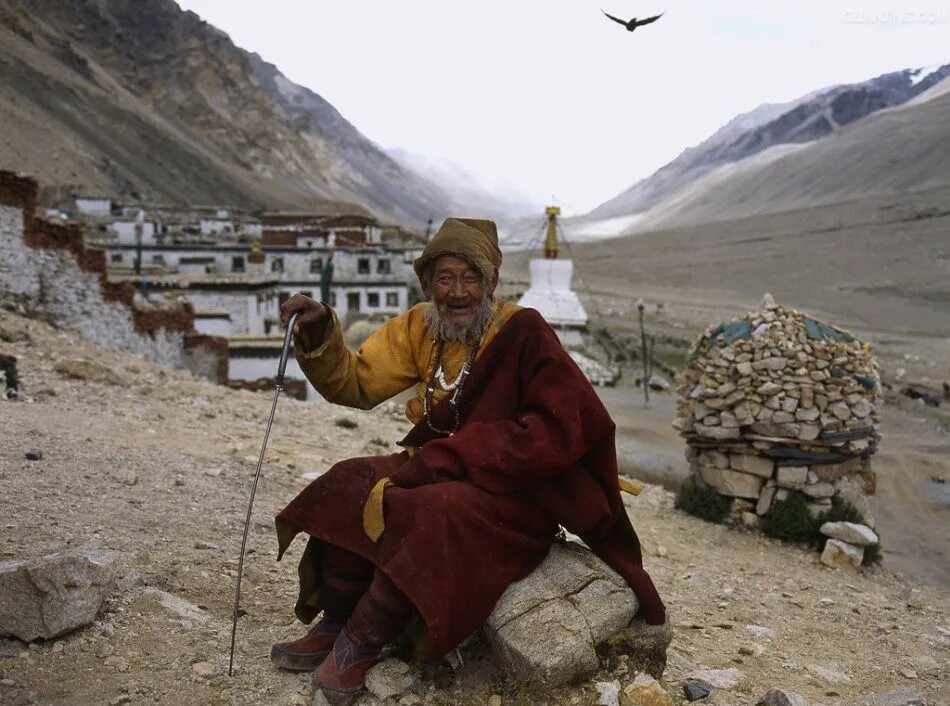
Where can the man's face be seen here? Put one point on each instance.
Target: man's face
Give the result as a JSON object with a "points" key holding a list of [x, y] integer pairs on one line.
{"points": [[457, 289]]}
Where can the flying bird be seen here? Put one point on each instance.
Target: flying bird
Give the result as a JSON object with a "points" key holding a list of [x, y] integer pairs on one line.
{"points": [[633, 23]]}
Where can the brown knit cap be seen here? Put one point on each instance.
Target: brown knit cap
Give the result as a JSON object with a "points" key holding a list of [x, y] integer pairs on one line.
{"points": [[472, 239]]}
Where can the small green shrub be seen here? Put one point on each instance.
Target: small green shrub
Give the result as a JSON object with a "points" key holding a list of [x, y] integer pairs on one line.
{"points": [[345, 423], [842, 511], [872, 556], [702, 501], [791, 520]]}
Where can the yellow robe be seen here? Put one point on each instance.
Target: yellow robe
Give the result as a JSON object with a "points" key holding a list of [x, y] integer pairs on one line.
{"points": [[394, 358]]}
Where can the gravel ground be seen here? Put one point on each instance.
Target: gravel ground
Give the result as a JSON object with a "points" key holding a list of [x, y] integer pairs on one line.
{"points": [[157, 466]]}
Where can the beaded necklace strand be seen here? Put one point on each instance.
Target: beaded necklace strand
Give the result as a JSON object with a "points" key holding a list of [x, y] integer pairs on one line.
{"points": [[455, 387]]}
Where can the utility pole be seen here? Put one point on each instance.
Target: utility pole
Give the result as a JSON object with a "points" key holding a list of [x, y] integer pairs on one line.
{"points": [[646, 363], [139, 227]]}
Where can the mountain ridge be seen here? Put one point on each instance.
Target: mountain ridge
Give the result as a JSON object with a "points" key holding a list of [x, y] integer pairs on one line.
{"points": [[146, 102], [805, 119]]}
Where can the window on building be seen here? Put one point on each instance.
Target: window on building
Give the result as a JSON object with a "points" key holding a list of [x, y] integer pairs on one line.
{"points": [[392, 299], [332, 301], [277, 264], [307, 293], [116, 257], [316, 265], [237, 264], [282, 297], [362, 265], [372, 299], [383, 267], [158, 259]]}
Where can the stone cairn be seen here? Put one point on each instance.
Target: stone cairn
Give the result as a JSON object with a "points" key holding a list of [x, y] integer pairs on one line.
{"points": [[775, 403]]}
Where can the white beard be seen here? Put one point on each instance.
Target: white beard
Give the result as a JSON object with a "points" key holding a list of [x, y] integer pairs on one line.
{"points": [[471, 332]]}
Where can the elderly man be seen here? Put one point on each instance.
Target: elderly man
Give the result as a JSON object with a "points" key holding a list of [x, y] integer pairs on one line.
{"points": [[510, 441]]}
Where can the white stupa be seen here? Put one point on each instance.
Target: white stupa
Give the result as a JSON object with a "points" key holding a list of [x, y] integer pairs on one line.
{"points": [[550, 292]]}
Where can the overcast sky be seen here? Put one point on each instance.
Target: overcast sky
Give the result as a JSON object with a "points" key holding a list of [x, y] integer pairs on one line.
{"points": [[551, 98]]}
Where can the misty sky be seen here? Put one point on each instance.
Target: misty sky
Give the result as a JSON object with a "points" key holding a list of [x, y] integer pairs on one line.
{"points": [[548, 97]]}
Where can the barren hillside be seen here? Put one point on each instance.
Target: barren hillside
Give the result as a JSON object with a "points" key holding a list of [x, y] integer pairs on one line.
{"points": [[144, 102], [892, 152]]}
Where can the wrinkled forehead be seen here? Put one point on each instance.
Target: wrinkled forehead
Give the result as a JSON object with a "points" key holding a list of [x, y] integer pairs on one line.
{"points": [[455, 265]]}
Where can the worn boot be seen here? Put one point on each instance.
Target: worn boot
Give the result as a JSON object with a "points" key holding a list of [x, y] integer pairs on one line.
{"points": [[342, 673], [305, 654], [346, 577], [379, 618]]}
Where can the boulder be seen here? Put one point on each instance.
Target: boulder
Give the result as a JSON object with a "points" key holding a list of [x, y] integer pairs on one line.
{"points": [[696, 689], [608, 693], [391, 677], [780, 697], [644, 691], [850, 532], [47, 597], [546, 627], [841, 554]]}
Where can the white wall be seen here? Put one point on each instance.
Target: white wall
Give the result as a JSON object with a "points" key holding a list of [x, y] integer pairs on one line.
{"points": [[261, 367], [94, 207], [210, 226], [125, 232], [213, 326], [50, 281]]}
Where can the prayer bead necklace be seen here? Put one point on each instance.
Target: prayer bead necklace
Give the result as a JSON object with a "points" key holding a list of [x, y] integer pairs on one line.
{"points": [[455, 388], [440, 376]]}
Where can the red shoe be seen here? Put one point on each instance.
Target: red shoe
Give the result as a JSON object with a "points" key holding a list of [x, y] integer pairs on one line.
{"points": [[344, 669], [305, 654]]}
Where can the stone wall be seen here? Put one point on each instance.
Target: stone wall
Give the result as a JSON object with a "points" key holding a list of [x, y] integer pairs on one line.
{"points": [[776, 403], [47, 269]]}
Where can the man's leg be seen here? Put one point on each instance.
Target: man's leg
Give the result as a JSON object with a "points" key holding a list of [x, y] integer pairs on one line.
{"points": [[379, 618], [345, 577]]}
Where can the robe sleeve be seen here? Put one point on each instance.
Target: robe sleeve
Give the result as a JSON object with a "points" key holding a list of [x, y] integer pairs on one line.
{"points": [[382, 367], [559, 420]]}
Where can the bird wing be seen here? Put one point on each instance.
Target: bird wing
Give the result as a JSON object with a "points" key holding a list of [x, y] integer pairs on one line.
{"points": [[648, 20], [616, 19]]}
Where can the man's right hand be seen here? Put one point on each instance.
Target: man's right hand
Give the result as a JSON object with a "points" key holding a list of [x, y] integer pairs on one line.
{"points": [[312, 317]]}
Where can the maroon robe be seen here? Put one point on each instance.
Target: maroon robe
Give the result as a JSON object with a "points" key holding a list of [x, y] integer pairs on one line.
{"points": [[470, 513]]}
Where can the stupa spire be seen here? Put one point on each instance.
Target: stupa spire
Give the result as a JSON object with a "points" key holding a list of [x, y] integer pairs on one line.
{"points": [[552, 249]]}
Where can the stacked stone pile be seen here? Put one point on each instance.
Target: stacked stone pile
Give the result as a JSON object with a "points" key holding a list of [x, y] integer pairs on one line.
{"points": [[775, 403]]}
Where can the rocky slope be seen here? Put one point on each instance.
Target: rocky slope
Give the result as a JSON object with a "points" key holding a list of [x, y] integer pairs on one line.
{"points": [[157, 466], [893, 152], [804, 120], [143, 101]]}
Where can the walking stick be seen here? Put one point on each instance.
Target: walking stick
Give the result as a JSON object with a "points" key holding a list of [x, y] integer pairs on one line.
{"points": [[284, 352]]}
